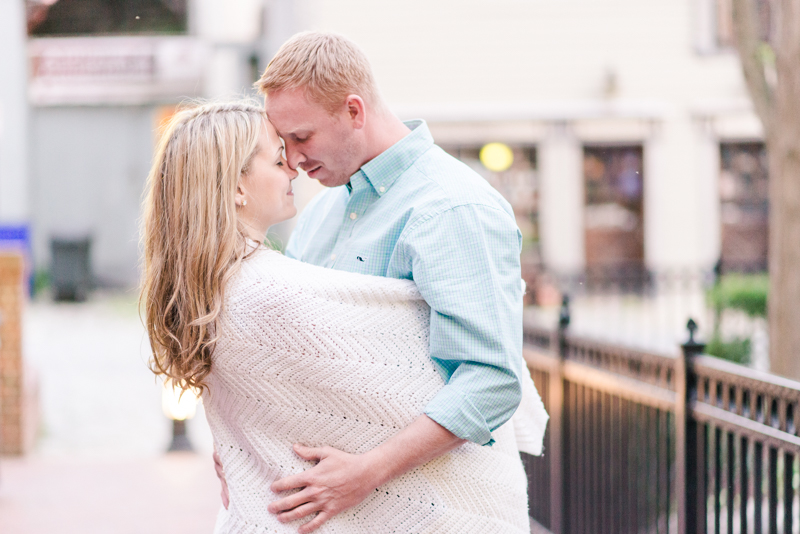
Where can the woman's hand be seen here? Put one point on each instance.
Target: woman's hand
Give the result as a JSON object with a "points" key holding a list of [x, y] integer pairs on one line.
{"points": [[339, 481]]}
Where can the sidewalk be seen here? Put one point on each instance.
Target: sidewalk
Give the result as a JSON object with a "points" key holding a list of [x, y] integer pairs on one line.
{"points": [[99, 465], [175, 493]]}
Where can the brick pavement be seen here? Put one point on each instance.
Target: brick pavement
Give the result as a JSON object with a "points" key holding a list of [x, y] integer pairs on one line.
{"points": [[175, 493]]}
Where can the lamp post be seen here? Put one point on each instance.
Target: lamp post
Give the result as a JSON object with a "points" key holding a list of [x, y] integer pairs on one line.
{"points": [[179, 406], [497, 157]]}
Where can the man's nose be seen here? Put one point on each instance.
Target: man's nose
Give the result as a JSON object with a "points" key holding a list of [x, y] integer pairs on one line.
{"points": [[293, 156]]}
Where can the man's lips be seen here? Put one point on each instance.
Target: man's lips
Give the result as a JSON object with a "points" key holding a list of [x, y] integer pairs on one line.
{"points": [[310, 172]]}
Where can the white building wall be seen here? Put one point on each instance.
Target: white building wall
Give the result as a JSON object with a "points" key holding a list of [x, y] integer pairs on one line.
{"points": [[90, 164], [571, 60], [557, 74], [13, 114], [476, 50]]}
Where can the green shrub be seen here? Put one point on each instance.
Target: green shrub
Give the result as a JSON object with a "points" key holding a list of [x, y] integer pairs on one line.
{"points": [[737, 350], [745, 292], [41, 281]]}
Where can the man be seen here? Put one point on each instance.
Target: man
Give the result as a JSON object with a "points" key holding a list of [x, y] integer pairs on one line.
{"points": [[398, 206]]}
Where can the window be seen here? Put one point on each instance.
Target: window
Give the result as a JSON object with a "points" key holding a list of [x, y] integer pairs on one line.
{"points": [[714, 30], [613, 212], [105, 17], [518, 185], [725, 35], [744, 193]]}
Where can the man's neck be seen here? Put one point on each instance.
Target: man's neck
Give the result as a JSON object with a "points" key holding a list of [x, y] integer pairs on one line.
{"points": [[384, 131]]}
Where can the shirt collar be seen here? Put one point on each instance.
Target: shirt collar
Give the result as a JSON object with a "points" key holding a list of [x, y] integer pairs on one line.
{"points": [[383, 170]]}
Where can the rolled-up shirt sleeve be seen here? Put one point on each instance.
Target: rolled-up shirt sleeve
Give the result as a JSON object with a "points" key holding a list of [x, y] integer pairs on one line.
{"points": [[465, 261]]}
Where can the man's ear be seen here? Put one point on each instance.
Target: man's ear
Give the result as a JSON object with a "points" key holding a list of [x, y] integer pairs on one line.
{"points": [[356, 111]]}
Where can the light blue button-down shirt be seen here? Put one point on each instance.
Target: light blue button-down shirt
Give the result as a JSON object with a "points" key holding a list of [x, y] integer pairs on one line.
{"points": [[417, 213]]}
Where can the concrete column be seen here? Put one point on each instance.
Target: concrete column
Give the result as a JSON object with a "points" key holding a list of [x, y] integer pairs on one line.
{"points": [[707, 168], [14, 208], [561, 201], [672, 206]]}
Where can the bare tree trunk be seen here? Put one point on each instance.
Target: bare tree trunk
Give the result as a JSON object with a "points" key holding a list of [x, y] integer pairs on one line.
{"points": [[784, 167], [779, 110]]}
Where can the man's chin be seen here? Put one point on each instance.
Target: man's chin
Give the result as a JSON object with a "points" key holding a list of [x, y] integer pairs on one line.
{"points": [[328, 180]]}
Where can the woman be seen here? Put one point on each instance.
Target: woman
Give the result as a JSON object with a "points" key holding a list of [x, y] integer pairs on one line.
{"points": [[287, 352]]}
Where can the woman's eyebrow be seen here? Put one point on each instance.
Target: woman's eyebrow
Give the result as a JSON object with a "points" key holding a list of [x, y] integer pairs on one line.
{"points": [[280, 149]]}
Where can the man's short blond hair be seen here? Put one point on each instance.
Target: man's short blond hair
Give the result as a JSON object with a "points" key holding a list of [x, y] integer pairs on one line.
{"points": [[329, 66]]}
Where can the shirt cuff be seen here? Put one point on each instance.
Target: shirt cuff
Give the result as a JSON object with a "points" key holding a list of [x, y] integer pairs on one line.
{"points": [[456, 413]]}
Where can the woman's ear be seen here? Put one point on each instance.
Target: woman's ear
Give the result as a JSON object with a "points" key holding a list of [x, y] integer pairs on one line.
{"points": [[240, 197]]}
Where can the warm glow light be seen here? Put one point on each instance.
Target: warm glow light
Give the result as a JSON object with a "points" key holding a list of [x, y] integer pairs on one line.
{"points": [[496, 157], [176, 406]]}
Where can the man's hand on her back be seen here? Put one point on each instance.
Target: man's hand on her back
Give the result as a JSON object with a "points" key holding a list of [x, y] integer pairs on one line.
{"points": [[340, 480], [221, 476]]}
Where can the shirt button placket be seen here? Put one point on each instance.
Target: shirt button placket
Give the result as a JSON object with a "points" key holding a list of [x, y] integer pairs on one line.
{"points": [[353, 216]]}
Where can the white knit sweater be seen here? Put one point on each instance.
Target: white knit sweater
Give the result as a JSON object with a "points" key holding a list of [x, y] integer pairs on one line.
{"points": [[324, 357]]}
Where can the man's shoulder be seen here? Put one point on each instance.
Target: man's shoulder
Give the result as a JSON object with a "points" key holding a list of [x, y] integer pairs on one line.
{"points": [[444, 183]]}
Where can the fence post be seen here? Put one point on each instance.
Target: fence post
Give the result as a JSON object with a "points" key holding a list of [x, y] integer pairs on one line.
{"points": [[686, 436], [557, 426]]}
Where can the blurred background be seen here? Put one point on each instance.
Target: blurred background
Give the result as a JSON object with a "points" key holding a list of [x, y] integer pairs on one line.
{"points": [[621, 132]]}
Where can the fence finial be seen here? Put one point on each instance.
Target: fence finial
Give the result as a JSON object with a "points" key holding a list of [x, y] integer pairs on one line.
{"points": [[691, 326], [692, 346]]}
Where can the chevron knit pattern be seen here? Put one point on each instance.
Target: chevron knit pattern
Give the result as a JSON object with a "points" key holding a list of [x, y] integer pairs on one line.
{"points": [[323, 357]]}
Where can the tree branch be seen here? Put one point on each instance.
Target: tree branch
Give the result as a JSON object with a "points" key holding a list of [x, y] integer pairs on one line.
{"points": [[748, 42]]}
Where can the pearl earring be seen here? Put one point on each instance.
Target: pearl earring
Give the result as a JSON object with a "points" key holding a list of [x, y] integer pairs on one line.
{"points": [[244, 203]]}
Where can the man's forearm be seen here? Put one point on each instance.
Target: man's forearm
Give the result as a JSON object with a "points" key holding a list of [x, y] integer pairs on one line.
{"points": [[418, 443]]}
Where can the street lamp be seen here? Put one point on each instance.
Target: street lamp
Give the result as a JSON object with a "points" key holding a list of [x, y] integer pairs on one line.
{"points": [[179, 406], [497, 157]]}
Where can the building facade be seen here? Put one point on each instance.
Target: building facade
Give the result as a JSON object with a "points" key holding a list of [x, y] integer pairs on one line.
{"points": [[634, 142]]}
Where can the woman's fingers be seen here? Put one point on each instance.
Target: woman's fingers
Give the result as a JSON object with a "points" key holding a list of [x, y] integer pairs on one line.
{"points": [[299, 512], [315, 523]]}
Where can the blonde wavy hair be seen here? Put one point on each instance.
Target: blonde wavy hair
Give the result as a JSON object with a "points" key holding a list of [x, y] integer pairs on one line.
{"points": [[191, 237]]}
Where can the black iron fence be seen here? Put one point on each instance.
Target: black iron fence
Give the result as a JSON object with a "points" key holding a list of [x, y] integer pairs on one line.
{"points": [[640, 442]]}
